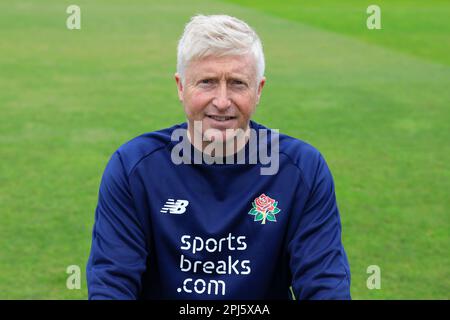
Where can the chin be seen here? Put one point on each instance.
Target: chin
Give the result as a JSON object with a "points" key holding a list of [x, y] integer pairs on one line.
{"points": [[216, 135]]}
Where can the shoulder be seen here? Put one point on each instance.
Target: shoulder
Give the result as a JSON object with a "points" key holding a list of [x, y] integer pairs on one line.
{"points": [[300, 154], [136, 149]]}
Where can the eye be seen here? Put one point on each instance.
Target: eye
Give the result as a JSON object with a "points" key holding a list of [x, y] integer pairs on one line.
{"points": [[206, 81], [238, 83]]}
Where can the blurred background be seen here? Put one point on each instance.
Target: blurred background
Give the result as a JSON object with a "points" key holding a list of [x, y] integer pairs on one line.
{"points": [[376, 103]]}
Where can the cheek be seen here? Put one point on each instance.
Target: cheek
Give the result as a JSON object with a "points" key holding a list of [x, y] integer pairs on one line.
{"points": [[196, 102], [247, 104]]}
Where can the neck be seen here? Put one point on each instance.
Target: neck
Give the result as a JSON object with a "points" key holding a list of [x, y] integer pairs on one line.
{"points": [[224, 148]]}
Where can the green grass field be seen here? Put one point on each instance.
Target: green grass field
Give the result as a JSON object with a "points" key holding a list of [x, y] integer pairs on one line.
{"points": [[375, 102]]}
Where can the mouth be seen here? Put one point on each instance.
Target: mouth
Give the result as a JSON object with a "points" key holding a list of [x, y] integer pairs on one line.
{"points": [[221, 118]]}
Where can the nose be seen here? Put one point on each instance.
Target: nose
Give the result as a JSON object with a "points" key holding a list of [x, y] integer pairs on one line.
{"points": [[222, 100]]}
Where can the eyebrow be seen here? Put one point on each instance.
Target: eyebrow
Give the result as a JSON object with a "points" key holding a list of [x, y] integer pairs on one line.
{"points": [[230, 76]]}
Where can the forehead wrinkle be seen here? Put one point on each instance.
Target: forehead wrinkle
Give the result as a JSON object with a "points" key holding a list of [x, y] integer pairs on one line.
{"points": [[235, 70], [211, 64]]}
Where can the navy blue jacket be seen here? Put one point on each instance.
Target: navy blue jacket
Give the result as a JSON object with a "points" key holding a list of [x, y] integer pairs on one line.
{"points": [[216, 231]]}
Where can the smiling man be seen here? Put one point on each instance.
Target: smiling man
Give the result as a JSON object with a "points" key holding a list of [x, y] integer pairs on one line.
{"points": [[222, 229], [221, 94]]}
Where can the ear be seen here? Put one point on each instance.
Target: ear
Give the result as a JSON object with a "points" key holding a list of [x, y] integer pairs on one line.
{"points": [[260, 87], [179, 86]]}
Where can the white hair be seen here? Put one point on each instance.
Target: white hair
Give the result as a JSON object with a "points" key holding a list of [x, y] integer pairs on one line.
{"points": [[218, 35]]}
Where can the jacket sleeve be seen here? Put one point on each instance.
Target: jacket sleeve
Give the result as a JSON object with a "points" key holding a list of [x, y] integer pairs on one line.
{"points": [[318, 262], [118, 252]]}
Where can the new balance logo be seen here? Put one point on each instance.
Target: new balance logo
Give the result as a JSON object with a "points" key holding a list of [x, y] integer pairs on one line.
{"points": [[173, 207]]}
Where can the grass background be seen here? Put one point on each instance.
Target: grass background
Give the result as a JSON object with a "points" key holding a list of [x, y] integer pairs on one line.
{"points": [[375, 102]]}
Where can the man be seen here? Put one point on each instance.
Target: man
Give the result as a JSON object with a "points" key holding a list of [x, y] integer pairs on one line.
{"points": [[188, 212]]}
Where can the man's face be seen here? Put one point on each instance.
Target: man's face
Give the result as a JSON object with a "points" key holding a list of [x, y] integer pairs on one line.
{"points": [[221, 92]]}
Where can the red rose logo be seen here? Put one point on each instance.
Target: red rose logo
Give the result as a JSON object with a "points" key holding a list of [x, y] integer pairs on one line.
{"points": [[264, 203], [264, 208]]}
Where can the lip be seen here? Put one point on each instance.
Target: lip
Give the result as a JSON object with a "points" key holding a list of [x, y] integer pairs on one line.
{"points": [[220, 115], [220, 124]]}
